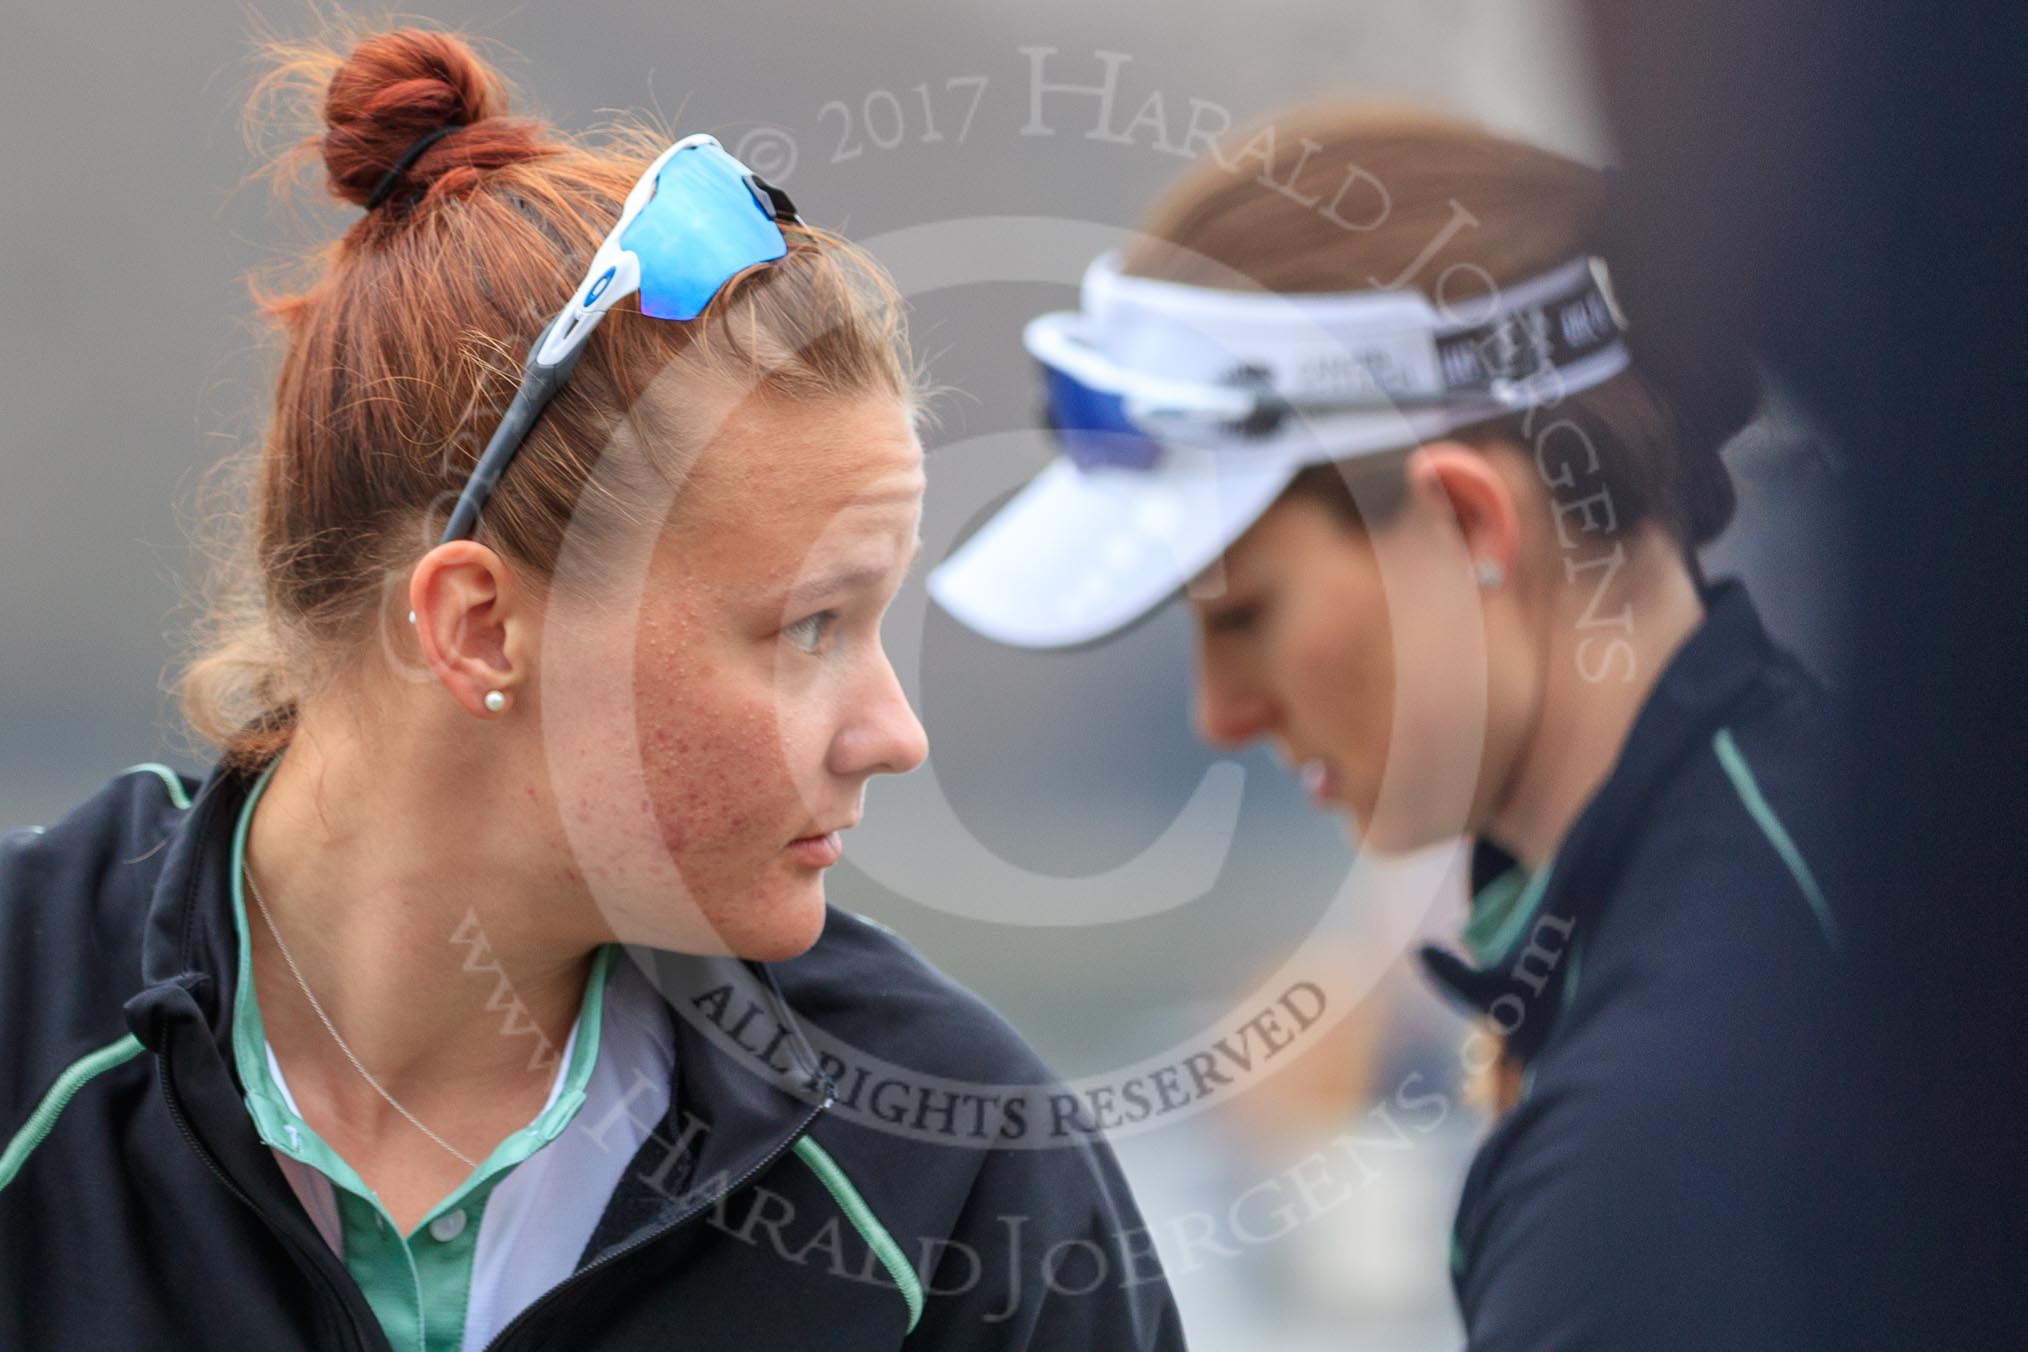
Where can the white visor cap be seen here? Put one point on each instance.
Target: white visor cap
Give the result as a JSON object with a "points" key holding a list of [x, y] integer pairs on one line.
{"points": [[1088, 547]]}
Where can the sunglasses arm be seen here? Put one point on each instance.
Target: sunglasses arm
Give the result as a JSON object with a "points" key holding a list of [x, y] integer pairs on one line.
{"points": [[540, 381]]}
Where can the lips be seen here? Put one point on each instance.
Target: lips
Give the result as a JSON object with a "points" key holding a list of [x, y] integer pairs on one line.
{"points": [[817, 851], [824, 831], [822, 849]]}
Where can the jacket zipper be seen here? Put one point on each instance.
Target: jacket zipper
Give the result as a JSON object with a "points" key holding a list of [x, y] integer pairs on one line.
{"points": [[556, 1292], [364, 1342]]}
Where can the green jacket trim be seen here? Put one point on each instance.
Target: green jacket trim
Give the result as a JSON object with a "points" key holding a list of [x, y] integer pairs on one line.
{"points": [[74, 1077], [177, 794], [866, 1223], [1763, 814], [81, 1071]]}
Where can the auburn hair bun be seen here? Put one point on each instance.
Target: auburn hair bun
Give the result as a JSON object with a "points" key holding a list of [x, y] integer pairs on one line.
{"points": [[397, 87]]}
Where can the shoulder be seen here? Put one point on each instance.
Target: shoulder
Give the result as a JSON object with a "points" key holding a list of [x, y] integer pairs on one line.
{"points": [[73, 897], [1653, 1185], [923, 1067], [1743, 850], [103, 852], [865, 986], [958, 1135], [95, 863], [148, 797], [1714, 975]]}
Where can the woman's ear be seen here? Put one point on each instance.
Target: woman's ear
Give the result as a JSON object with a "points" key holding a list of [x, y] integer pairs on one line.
{"points": [[1468, 486], [473, 623]]}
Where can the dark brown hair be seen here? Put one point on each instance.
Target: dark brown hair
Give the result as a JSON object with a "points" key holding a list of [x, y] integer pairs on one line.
{"points": [[1345, 198], [402, 342]]}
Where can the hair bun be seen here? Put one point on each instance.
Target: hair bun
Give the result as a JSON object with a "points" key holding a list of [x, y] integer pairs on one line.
{"points": [[396, 87]]}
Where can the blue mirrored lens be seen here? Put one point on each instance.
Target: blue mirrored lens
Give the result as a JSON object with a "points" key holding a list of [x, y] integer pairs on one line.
{"points": [[1092, 425], [701, 229]]}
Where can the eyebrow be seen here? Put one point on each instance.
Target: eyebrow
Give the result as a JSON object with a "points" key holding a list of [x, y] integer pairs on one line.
{"points": [[853, 576]]}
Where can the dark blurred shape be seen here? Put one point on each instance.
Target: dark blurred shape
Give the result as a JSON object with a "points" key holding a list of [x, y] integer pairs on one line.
{"points": [[1841, 187]]}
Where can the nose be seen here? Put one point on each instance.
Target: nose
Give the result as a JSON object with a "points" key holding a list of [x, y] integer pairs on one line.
{"points": [[1229, 710], [882, 736]]}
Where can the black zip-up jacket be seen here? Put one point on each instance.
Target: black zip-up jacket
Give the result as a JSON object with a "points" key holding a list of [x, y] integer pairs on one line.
{"points": [[1672, 982], [140, 1209]]}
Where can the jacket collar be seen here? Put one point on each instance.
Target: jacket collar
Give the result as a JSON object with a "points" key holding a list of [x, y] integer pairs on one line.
{"points": [[188, 942], [1525, 933]]}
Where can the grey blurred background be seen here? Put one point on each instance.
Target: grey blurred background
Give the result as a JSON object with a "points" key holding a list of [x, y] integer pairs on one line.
{"points": [[129, 364]]}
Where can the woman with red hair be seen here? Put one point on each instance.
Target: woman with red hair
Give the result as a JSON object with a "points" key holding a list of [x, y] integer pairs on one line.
{"points": [[484, 992]]}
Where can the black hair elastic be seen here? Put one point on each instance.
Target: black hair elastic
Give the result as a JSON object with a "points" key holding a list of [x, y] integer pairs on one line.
{"points": [[406, 162]]}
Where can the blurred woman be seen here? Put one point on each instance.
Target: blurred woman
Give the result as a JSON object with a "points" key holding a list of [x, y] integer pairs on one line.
{"points": [[488, 989], [1361, 387]]}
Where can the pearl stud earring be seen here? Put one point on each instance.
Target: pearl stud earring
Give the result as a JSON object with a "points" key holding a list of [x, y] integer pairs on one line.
{"points": [[496, 700], [1488, 573]]}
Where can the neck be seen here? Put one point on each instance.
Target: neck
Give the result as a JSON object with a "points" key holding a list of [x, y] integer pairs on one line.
{"points": [[1605, 647], [436, 942]]}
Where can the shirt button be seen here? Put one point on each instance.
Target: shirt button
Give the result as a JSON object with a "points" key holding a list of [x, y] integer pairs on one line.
{"points": [[448, 1226]]}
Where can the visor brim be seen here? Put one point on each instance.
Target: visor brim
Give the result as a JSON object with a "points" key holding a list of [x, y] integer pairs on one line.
{"points": [[1079, 554]]}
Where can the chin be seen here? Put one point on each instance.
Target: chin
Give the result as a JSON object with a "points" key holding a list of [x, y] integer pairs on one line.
{"points": [[779, 927]]}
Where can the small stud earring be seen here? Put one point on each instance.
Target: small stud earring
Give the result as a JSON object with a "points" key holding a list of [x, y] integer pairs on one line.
{"points": [[495, 700], [1488, 573], [411, 617]]}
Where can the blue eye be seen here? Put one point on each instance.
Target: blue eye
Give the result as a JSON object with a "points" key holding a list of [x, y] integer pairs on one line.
{"points": [[808, 632]]}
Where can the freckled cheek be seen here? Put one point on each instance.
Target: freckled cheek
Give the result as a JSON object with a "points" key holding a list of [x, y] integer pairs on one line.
{"points": [[714, 767]]}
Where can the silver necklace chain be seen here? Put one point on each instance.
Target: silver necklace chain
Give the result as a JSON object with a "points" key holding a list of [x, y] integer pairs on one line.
{"points": [[367, 1075]]}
